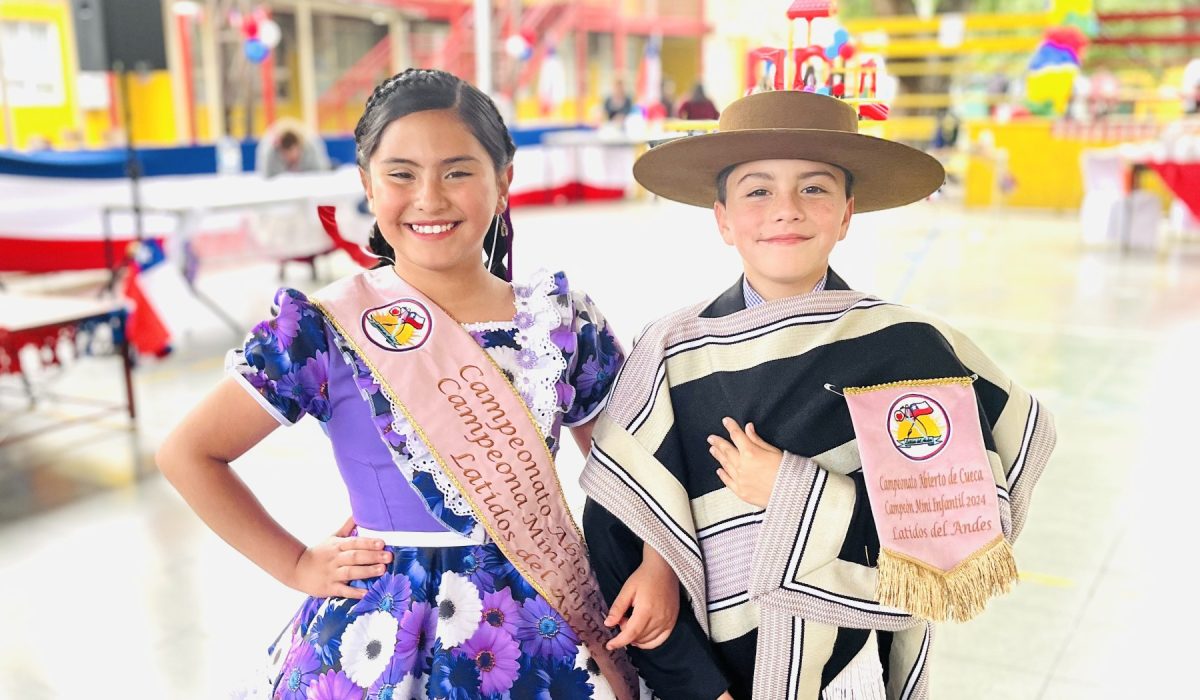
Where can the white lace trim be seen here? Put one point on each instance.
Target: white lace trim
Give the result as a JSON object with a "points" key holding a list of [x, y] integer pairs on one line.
{"points": [[535, 376]]}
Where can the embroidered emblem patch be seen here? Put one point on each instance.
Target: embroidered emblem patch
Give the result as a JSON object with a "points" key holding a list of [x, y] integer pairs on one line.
{"points": [[919, 426], [403, 325]]}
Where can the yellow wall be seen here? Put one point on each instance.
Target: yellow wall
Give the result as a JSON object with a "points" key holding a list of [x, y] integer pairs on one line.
{"points": [[1045, 170], [51, 122], [150, 95]]}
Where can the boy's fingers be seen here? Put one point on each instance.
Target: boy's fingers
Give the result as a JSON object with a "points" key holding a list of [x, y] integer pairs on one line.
{"points": [[723, 451], [720, 456], [729, 483], [655, 642], [736, 434], [755, 437], [620, 606], [758, 440], [629, 632]]}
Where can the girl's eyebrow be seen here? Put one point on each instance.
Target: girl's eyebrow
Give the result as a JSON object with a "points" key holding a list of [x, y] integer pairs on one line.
{"points": [[414, 164]]}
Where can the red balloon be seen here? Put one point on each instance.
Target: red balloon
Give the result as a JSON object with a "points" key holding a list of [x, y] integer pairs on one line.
{"points": [[250, 26], [846, 51]]}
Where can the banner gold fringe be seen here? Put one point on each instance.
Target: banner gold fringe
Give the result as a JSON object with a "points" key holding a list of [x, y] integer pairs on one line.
{"points": [[959, 594]]}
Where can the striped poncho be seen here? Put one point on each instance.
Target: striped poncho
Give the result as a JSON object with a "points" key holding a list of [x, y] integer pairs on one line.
{"points": [[782, 599]]}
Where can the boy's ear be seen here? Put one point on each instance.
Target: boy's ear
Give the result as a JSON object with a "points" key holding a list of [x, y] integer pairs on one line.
{"points": [[846, 219], [720, 213]]}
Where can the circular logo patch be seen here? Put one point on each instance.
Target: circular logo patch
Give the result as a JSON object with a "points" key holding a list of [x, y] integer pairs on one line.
{"points": [[403, 325], [918, 426]]}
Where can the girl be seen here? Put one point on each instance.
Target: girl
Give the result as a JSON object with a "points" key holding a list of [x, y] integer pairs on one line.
{"points": [[443, 390]]}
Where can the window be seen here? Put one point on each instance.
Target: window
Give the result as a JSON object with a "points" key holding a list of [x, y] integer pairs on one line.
{"points": [[33, 66]]}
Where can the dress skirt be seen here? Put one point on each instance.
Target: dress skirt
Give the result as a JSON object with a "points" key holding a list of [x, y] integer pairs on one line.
{"points": [[442, 622]]}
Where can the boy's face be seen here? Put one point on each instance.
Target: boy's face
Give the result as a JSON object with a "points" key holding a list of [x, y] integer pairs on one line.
{"points": [[784, 217]]}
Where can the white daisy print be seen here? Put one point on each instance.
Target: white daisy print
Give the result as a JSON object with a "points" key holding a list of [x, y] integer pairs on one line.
{"points": [[367, 646], [412, 687], [459, 609]]}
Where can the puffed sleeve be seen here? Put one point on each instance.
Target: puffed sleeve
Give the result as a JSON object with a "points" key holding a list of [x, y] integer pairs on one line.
{"points": [[284, 363], [592, 367]]}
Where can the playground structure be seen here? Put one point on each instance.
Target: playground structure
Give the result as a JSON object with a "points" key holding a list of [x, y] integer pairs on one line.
{"points": [[835, 69], [1023, 92]]}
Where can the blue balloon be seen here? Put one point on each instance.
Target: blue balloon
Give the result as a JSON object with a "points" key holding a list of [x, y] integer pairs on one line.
{"points": [[1050, 55], [841, 36], [823, 90], [256, 51], [831, 52]]}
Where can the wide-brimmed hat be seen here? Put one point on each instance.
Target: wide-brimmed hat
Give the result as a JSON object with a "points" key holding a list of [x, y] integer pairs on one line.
{"points": [[788, 124]]}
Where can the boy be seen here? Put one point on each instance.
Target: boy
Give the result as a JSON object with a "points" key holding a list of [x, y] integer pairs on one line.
{"points": [[735, 445]]}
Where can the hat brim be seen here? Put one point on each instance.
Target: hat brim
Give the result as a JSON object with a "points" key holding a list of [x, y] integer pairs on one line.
{"points": [[886, 173]]}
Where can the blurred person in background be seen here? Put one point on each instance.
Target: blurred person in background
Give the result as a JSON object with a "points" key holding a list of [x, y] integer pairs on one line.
{"points": [[698, 106], [288, 147]]}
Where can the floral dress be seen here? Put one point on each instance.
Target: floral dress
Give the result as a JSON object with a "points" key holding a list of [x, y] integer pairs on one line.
{"points": [[455, 622]]}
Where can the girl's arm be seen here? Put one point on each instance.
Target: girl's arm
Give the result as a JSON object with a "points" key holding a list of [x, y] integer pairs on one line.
{"points": [[195, 458]]}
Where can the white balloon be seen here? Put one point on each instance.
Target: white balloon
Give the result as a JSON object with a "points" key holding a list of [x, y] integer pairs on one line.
{"points": [[269, 33], [515, 46]]}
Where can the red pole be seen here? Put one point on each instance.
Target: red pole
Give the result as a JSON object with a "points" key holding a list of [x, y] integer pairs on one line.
{"points": [[184, 24], [268, 87]]}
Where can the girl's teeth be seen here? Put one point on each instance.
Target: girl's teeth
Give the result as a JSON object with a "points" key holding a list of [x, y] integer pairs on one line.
{"points": [[429, 230]]}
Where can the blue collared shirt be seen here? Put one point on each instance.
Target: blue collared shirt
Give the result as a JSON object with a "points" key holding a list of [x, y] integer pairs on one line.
{"points": [[753, 298]]}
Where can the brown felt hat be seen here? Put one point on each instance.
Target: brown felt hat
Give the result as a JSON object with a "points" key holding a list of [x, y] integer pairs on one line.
{"points": [[787, 124]]}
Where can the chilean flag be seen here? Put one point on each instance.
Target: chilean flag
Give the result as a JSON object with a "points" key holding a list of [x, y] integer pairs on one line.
{"points": [[150, 285], [649, 80]]}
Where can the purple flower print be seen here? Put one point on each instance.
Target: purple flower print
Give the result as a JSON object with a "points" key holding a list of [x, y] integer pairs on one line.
{"points": [[591, 375], [564, 337], [543, 632], [384, 421], [313, 378], [501, 611], [334, 685], [386, 686], [415, 639], [524, 320], [566, 394], [495, 654], [299, 672], [527, 358], [286, 323], [560, 283], [389, 593]]}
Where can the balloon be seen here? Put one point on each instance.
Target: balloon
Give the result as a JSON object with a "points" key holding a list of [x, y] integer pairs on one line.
{"points": [[841, 36], [823, 90], [831, 52], [250, 26], [256, 51], [269, 33], [846, 51], [516, 46]]}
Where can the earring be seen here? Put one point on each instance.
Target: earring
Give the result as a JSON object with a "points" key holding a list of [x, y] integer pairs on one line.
{"points": [[503, 226]]}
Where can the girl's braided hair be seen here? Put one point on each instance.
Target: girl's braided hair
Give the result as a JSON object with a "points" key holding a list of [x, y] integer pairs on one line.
{"points": [[421, 89]]}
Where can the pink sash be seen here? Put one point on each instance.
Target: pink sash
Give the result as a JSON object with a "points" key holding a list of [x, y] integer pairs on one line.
{"points": [[482, 434], [943, 553]]}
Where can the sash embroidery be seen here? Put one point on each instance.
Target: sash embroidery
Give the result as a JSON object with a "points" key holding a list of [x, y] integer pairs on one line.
{"points": [[483, 435], [933, 495]]}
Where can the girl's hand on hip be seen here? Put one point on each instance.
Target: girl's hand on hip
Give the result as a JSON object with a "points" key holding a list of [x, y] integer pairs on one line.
{"points": [[324, 570]]}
